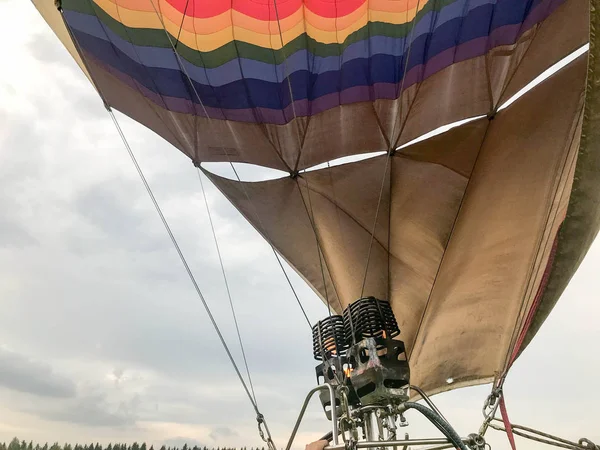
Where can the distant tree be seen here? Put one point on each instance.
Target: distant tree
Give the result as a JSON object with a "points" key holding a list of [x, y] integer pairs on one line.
{"points": [[45, 447], [143, 446], [97, 446], [163, 447], [14, 444]]}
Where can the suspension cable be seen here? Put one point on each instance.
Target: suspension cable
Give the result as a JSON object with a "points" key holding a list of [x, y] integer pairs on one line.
{"points": [[390, 155], [545, 438], [260, 222], [311, 215], [237, 328], [180, 253], [197, 95], [320, 252], [259, 416]]}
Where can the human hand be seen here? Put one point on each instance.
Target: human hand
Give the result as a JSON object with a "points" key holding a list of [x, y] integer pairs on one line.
{"points": [[317, 445]]}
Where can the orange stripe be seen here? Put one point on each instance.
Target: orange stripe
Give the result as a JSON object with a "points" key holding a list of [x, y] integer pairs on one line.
{"points": [[210, 34]]}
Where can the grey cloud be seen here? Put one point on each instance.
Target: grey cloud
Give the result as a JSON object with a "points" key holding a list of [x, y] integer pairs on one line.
{"points": [[222, 432], [91, 410], [46, 51], [22, 374], [105, 206], [14, 235]]}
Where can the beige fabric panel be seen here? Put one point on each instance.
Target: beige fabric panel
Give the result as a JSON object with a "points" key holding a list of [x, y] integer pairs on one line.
{"points": [[477, 299], [345, 241], [460, 156], [473, 87], [276, 210], [558, 204], [425, 201], [53, 18], [426, 188], [340, 132], [455, 93], [464, 265], [567, 29], [199, 138]]}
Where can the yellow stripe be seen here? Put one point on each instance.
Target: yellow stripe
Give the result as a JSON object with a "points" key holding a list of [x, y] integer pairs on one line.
{"points": [[217, 31]]}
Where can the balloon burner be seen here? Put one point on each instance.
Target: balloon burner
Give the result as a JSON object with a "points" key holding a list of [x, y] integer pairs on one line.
{"points": [[363, 381]]}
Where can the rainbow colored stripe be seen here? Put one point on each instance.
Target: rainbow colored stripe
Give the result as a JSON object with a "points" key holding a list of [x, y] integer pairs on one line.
{"points": [[245, 56]]}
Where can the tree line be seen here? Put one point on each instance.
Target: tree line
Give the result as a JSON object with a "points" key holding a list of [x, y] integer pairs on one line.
{"points": [[17, 444]]}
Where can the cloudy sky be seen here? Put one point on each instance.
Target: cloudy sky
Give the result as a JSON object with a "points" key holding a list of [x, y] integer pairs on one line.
{"points": [[102, 337]]}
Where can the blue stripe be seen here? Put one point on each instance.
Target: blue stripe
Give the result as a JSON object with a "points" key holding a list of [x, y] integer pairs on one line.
{"points": [[263, 85]]}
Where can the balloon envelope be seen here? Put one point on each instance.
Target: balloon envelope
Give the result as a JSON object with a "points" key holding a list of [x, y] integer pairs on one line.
{"points": [[461, 231]]}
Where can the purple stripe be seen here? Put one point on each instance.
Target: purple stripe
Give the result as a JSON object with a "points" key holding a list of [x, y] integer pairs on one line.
{"points": [[505, 35]]}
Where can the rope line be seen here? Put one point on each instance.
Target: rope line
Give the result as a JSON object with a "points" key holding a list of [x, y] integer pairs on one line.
{"points": [[320, 253], [390, 154], [260, 222], [181, 256], [237, 328], [210, 120], [259, 416], [545, 438]]}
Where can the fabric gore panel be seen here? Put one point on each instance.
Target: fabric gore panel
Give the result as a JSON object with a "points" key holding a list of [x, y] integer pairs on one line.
{"points": [[323, 96], [472, 212], [488, 273]]}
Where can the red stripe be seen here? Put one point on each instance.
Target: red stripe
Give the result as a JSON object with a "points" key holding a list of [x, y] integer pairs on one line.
{"points": [[265, 9], [536, 302]]}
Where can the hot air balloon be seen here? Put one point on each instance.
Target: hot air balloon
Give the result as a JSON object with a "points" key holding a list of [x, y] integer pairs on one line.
{"points": [[470, 235]]}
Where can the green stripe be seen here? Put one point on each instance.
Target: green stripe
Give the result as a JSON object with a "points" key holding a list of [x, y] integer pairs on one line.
{"points": [[238, 49]]}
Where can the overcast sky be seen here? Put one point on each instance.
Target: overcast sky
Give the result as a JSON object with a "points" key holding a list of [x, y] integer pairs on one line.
{"points": [[102, 337]]}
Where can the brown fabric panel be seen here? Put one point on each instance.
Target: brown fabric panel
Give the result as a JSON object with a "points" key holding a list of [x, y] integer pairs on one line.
{"points": [[476, 301], [275, 208], [392, 114], [217, 140], [425, 201], [458, 156], [346, 220], [340, 132], [563, 32], [345, 244], [455, 93], [558, 208], [288, 139], [355, 189], [582, 221], [503, 61], [472, 87]]}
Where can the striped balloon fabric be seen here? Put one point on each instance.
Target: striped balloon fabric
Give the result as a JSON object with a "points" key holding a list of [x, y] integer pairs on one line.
{"points": [[270, 61]]}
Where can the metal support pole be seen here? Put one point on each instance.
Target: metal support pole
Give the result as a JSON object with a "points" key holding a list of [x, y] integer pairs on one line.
{"points": [[436, 441], [334, 419]]}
